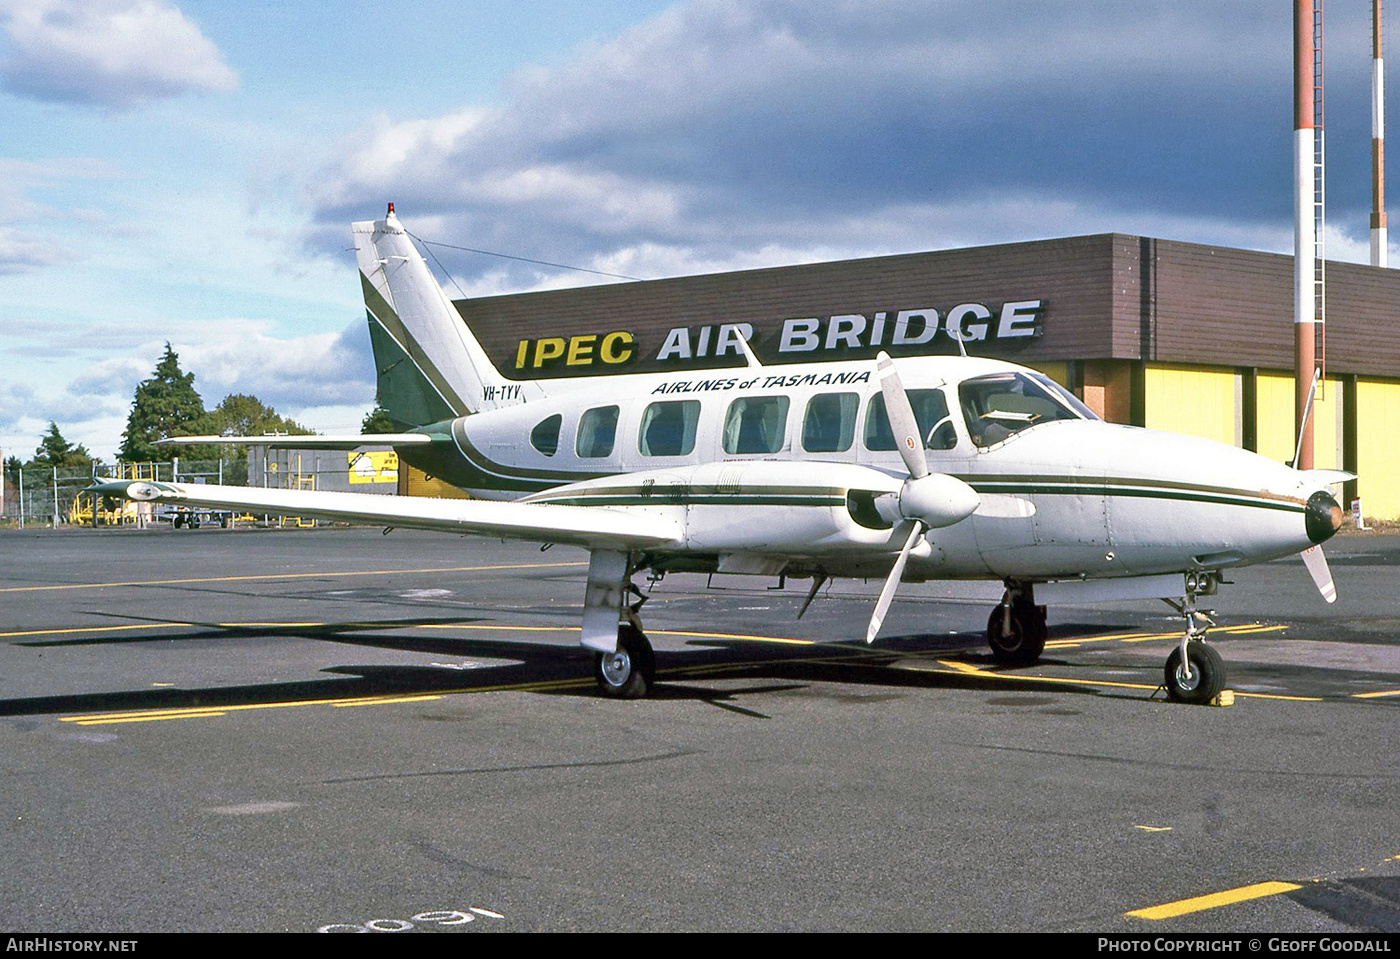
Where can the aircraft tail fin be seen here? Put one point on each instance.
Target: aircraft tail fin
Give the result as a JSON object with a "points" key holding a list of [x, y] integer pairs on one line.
{"points": [[429, 366]]}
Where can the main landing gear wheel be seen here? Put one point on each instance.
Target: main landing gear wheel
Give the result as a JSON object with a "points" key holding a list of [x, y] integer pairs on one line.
{"points": [[630, 672], [1018, 639], [1200, 679]]}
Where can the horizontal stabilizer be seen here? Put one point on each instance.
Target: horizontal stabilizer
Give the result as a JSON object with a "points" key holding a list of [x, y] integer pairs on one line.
{"points": [[307, 441], [589, 526]]}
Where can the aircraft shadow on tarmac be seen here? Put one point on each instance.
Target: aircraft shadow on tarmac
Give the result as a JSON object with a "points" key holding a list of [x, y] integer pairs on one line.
{"points": [[559, 669]]}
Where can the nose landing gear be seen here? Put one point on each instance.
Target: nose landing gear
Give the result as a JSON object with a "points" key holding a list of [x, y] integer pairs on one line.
{"points": [[1194, 672]]}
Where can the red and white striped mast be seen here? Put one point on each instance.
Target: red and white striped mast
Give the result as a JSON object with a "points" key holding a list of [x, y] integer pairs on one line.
{"points": [[1379, 240], [1308, 255]]}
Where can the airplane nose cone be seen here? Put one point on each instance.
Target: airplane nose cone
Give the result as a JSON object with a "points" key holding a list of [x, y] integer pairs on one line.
{"points": [[1323, 516]]}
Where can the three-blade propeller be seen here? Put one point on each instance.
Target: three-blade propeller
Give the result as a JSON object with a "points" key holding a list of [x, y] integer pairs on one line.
{"points": [[926, 500]]}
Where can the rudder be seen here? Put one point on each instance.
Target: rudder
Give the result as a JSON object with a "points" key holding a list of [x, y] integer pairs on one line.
{"points": [[428, 365]]}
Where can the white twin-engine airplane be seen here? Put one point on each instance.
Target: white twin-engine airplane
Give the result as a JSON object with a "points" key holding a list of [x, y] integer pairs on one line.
{"points": [[939, 467]]}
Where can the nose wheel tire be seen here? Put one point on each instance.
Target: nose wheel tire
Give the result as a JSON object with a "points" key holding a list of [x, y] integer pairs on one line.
{"points": [[630, 672], [1021, 641], [1200, 679]]}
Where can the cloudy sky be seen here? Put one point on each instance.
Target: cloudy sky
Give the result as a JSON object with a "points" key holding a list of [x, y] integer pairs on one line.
{"points": [[186, 170]]}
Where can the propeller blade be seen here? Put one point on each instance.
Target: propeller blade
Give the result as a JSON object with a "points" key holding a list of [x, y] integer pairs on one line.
{"points": [[902, 422], [882, 605], [1320, 573]]}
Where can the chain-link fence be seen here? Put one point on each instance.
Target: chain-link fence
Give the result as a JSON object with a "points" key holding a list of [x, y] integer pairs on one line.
{"points": [[53, 496]]}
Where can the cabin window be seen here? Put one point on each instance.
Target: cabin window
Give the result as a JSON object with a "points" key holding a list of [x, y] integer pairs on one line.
{"points": [[597, 429], [830, 423], [930, 413], [755, 424], [545, 436], [668, 428], [1002, 404]]}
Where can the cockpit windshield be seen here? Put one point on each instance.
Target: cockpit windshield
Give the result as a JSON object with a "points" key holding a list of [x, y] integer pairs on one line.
{"points": [[1002, 404]]}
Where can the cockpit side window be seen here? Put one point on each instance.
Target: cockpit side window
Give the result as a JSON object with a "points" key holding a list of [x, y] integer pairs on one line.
{"points": [[668, 428], [1003, 404], [930, 413], [755, 424], [545, 436]]}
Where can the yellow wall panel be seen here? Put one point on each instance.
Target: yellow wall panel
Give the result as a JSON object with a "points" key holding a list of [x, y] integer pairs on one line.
{"points": [[1274, 428], [1327, 427], [1193, 400], [1059, 372], [1278, 433], [1378, 452]]}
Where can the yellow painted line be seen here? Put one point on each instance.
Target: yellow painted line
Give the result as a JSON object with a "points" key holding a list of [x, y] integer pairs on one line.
{"points": [[845, 655], [1286, 699], [259, 625], [1065, 681], [89, 629], [146, 719], [1388, 692], [1152, 828], [578, 629], [1123, 637], [962, 667], [1141, 637], [1213, 901], [193, 712], [506, 629], [387, 701], [487, 627], [271, 576], [756, 639]]}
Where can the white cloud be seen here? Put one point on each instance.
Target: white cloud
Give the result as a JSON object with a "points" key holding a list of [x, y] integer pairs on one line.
{"points": [[111, 53], [242, 356], [328, 375], [24, 252], [722, 134]]}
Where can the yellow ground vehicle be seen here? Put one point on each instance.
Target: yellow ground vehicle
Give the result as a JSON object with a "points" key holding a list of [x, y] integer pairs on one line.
{"points": [[110, 510]]}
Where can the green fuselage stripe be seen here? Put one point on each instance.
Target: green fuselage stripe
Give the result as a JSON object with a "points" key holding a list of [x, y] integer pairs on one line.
{"points": [[681, 494], [1180, 493]]}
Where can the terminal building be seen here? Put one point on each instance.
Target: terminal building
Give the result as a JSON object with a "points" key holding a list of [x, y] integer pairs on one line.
{"points": [[1157, 333]]}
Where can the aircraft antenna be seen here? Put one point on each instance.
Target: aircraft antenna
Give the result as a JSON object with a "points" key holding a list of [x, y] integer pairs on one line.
{"points": [[525, 259]]}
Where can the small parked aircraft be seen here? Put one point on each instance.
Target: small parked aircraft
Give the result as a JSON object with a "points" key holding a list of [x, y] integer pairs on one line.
{"points": [[937, 467]]}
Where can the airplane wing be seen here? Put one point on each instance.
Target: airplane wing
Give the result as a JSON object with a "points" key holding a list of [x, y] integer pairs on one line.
{"points": [[593, 527], [305, 441]]}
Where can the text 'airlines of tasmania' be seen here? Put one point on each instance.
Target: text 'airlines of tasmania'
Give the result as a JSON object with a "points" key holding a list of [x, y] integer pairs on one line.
{"points": [[925, 468]]}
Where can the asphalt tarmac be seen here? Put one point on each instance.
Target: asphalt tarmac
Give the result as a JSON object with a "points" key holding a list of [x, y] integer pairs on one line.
{"points": [[249, 730]]}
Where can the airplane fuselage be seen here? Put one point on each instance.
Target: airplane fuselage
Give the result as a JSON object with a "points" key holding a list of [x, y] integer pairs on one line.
{"points": [[1064, 494]]}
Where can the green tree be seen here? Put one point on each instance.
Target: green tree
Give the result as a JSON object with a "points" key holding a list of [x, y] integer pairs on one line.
{"points": [[239, 414], [54, 450], [164, 405], [377, 421]]}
